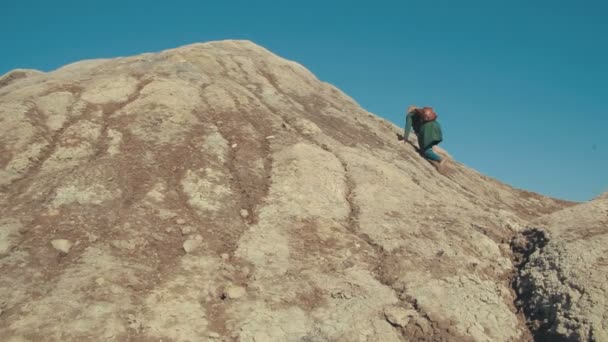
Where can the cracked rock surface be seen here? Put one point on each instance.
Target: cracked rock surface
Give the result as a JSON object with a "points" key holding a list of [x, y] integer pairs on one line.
{"points": [[565, 281], [180, 174]]}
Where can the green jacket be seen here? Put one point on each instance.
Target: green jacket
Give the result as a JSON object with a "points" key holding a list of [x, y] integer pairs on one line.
{"points": [[429, 133]]}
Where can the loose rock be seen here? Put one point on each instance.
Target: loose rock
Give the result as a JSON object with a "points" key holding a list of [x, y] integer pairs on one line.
{"points": [[348, 263], [341, 294], [191, 245], [62, 245], [234, 292], [398, 315]]}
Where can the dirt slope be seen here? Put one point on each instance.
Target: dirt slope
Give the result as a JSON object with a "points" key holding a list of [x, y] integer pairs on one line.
{"points": [[219, 192]]}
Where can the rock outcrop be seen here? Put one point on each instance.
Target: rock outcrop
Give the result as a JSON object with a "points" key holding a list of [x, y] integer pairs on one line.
{"points": [[564, 283], [217, 191]]}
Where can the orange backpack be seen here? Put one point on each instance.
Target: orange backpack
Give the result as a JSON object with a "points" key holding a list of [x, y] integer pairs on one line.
{"points": [[427, 114]]}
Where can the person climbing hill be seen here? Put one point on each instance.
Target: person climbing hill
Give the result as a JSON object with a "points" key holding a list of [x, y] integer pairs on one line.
{"points": [[425, 125]]}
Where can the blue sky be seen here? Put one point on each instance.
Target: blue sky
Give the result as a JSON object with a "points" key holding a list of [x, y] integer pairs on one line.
{"points": [[520, 86]]}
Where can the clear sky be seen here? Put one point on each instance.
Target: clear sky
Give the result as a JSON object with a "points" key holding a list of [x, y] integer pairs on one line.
{"points": [[520, 86]]}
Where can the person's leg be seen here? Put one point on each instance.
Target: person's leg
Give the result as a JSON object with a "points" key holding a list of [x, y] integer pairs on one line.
{"points": [[431, 155], [435, 159]]}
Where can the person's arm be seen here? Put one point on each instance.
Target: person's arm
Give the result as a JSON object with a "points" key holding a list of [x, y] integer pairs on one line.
{"points": [[408, 122]]}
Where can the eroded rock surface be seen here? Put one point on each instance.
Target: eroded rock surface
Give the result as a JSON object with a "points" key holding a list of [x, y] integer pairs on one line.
{"points": [[564, 284], [218, 191]]}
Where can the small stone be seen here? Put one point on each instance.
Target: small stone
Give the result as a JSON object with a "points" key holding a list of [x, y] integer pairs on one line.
{"points": [[62, 245], [397, 315], [225, 256], [341, 294], [180, 221], [348, 263], [270, 137], [169, 230], [100, 281], [213, 335], [234, 292], [244, 213], [234, 145], [191, 245], [187, 230]]}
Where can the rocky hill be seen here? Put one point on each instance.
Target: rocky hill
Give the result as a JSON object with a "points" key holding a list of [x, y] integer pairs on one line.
{"points": [[219, 192]]}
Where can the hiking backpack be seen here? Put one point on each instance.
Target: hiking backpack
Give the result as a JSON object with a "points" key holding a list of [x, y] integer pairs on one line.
{"points": [[427, 114]]}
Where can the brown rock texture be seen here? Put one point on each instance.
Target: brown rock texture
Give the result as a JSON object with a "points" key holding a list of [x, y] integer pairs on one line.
{"points": [[219, 192]]}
